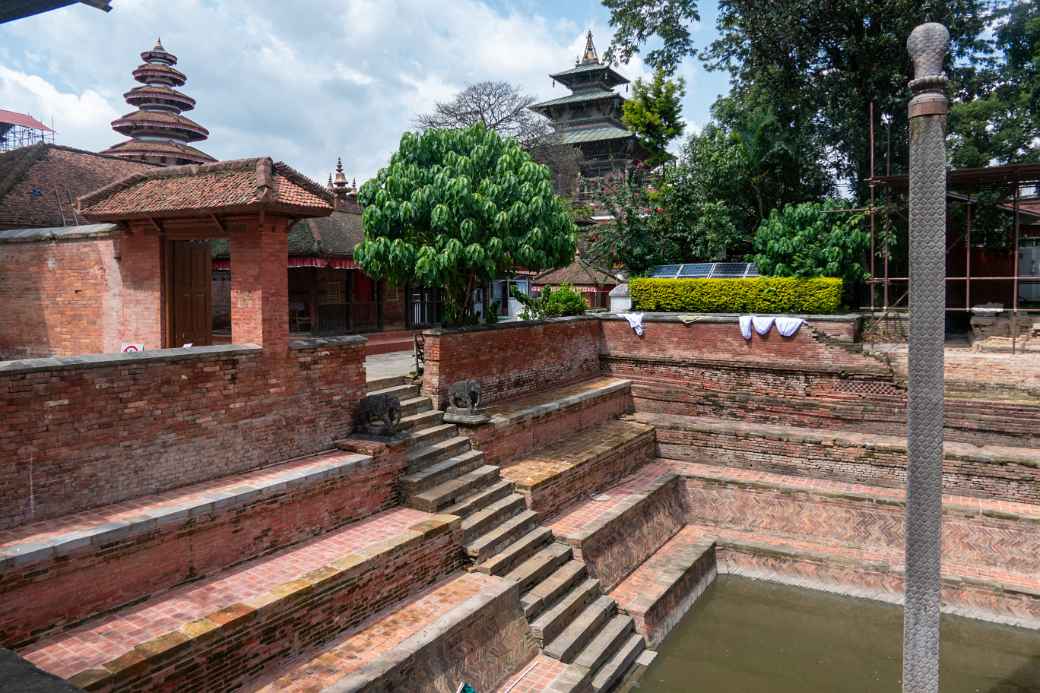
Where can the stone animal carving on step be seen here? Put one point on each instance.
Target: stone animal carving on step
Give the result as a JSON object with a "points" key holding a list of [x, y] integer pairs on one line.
{"points": [[465, 396], [380, 414]]}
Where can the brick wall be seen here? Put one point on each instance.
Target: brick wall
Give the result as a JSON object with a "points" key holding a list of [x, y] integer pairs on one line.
{"points": [[512, 358], [160, 555], [83, 432], [59, 298]]}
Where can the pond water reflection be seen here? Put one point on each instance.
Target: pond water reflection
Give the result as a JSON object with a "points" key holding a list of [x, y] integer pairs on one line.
{"points": [[752, 636]]}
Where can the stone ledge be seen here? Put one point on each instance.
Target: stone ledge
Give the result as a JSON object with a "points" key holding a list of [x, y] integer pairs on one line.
{"points": [[547, 403], [729, 318], [140, 358], [21, 548], [512, 324], [752, 364], [326, 342], [989, 454], [880, 495]]}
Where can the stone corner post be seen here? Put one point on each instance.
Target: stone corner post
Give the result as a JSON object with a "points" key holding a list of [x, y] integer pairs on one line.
{"points": [[928, 107]]}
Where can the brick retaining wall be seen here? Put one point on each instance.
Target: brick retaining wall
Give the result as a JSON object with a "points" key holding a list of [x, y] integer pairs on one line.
{"points": [[80, 432], [513, 358]]}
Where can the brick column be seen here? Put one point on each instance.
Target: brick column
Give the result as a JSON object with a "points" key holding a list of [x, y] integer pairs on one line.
{"points": [[260, 286], [141, 272]]}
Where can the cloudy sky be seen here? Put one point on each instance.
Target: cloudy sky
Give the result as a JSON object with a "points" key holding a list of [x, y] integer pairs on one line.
{"points": [[308, 80]]}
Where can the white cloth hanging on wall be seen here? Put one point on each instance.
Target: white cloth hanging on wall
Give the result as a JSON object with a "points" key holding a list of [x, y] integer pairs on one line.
{"points": [[745, 326], [635, 321], [787, 327], [762, 324]]}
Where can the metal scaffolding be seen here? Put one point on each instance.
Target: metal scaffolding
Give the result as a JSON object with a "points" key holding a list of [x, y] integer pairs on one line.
{"points": [[20, 130]]}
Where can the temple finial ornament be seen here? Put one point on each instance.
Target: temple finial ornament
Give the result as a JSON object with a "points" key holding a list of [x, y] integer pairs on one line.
{"points": [[590, 55]]}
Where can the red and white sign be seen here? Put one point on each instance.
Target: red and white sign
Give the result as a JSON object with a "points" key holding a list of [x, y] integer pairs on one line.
{"points": [[130, 348]]}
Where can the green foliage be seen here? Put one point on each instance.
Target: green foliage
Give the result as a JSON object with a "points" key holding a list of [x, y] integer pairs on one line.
{"points": [[551, 304], [813, 295], [654, 114], [457, 208], [812, 240], [666, 21], [638, 238], [997, 114]]}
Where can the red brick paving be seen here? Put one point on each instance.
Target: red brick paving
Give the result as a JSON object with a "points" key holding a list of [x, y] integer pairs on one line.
{"points": [[385, 632], [101, 641], [580, 515], [534, 677]]}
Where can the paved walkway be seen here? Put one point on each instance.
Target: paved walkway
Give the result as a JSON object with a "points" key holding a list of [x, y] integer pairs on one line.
{"points": [[396, 363]]}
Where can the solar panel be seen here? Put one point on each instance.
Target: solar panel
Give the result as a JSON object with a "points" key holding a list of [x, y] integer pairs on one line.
{"points": [[696, 269], [665, 271], [729, 269]]}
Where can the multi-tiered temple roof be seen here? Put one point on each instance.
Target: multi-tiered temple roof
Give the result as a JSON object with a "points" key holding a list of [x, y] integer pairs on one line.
{"points": [[158, 133], [590, 116]]}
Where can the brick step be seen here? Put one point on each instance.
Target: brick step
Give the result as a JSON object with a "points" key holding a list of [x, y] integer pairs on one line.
{"points": [[415, 405], [423, 419], [586, 625], [403, 391], [464, 461], [581, 464], [483, 521], [220, 632], [516, 553], [539, 566], [618, 665], [431, 435], [606, 643], [989, 595], [553, 588], [156, 543], [421, 457], [664, 587], [550, 624], [988, 534], [465, 494], [440, 636], [619, 528], [1001, 472], [383, 383], [501, 536]]}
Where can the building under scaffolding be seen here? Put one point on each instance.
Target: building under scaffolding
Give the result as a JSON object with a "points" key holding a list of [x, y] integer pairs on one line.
{"points": [[992, 244], [21, 130]]}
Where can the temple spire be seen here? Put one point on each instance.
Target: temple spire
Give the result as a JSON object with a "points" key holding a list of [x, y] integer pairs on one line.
{"points": [[590, 57]]}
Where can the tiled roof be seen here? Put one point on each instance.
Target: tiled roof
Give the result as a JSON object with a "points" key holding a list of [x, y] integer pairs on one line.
{"points": [[591, 67], [580, 97], [328, 237], [168, 148], [243, 185], [580, 135], [27, 121], [158, 120], [578, 273], [39, 184]]}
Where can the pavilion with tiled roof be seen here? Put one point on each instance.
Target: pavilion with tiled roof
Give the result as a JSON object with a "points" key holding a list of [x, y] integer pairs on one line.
{"points": [[158, 131], [590, 117], [593, 282]]}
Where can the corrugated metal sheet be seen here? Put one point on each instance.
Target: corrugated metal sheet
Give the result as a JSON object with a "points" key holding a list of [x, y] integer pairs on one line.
{"points": [[594, 135]]}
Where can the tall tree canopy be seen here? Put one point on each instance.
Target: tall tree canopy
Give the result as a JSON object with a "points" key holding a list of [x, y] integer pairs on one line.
{"points": [[458, 208], [654, 113], [498, 106]]}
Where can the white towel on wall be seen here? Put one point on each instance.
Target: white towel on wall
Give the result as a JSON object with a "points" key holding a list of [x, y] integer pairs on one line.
{"points": [[787, 327], [635, 321], [762, 324], [745, 326]]}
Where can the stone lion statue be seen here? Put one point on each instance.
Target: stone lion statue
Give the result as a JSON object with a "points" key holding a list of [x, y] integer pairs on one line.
{"points": [[464, 396], [380, 414]]}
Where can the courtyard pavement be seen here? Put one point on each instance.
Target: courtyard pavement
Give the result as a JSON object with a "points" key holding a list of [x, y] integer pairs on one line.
{"points": [[395, 363]]}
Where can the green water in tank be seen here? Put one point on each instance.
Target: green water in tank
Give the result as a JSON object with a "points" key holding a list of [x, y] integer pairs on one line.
{"points": [[749, 636]]}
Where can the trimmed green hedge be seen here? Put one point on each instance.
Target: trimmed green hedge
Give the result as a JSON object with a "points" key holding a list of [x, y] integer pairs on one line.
{"points": [[816, 295]]}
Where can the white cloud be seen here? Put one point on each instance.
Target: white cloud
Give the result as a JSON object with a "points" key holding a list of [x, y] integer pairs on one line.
{"points": [[304, 82]]}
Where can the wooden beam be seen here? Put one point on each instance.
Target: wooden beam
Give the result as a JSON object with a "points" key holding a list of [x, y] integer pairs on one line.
{"points": [[219, 224]]}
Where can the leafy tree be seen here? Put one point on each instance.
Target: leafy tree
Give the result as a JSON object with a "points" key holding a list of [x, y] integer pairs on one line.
{"points": [[457, 208], [654, 114], [551, 304], [637, 21], [636, 238], [498, 106], [813, 240], [997, 114]]}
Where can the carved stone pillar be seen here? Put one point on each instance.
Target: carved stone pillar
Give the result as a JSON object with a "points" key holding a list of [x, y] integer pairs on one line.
{"points": [[927, 46]]}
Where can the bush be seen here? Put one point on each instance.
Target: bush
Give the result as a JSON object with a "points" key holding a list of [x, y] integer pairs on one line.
{"points": [[551, 304], [814, 295]]}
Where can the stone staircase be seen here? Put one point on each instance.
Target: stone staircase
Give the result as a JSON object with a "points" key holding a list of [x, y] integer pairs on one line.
{"points": [[571, 618]]}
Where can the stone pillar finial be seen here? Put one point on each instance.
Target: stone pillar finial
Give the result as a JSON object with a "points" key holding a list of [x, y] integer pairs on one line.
{"points": [[927, 46]]}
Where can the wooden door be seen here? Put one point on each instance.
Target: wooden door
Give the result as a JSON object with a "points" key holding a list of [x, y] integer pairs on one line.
{"points": [[191, 293]]}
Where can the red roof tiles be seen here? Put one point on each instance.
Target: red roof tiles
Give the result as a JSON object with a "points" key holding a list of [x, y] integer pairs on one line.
{"points": [[27, 121], [244, 185]]}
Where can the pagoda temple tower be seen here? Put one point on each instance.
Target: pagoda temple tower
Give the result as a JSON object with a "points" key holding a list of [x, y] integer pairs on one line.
{"points": [[590, 116], [158, 133]]}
